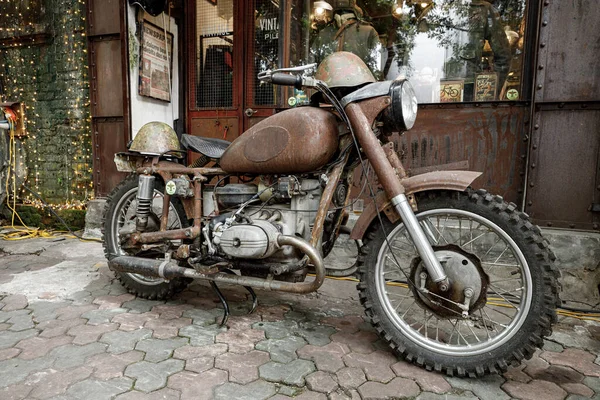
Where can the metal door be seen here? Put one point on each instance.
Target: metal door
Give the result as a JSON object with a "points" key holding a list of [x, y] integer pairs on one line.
{"points": [[563, 183], [108, 89]]}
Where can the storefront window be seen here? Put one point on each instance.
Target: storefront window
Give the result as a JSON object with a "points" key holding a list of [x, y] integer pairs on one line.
{"points": [[450, 50]]}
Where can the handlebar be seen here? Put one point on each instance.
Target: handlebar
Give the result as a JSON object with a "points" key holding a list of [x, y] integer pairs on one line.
{"points": [[282, 79]]}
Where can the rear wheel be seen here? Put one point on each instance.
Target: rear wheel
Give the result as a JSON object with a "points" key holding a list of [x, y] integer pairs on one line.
{"points": [[499, 267], [120, 218]]}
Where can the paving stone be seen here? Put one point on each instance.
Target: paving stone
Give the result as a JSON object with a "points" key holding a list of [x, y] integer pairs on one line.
{"points": [[272, 313], [132, 322], [347, 324], [577, 388], [199, 364], [15, 392], [150, 376], [535, 390], [517, 374], [71, 312], [170, 311], [295, 315], [9, 338], [359, 342], [315, 333], [376, 365], [7, 315], [200, 335], [167, 328], [70, 355], [321, 382], [557, 374], [552, 346], [4, 327], [21, 322], [257, 390], [576, 397], [239, 322], [162, 394], [428, 381], [290, 391], [341, 395], [305, 395], [14, 302], [37, 347], [57, 327], [141, 306], [277, 330], [327, 358], [50, 383], [189, 352], [111, 302], [435, 396], [351, 378], [575, 337], [200, 316], [240, 341], [592, 383], [14, 370], [197, 386], [121, 342], [282, 350], [289, 374], [98, 317], [84, 334], [486, 387], [109, 366], [159, 349], [45, 310], [396, 388], [577, 359], [7, 354], [242, 368], [92, 389]]}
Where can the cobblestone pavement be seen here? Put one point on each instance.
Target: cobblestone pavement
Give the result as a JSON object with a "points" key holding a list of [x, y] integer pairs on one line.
{"points": [[68, 330]]}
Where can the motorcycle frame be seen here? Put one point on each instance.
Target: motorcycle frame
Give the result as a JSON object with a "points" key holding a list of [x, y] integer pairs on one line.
{"points": [[398, 188]]}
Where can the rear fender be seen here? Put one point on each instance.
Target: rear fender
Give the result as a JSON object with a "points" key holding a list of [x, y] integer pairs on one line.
{"points": [[437, 180]]}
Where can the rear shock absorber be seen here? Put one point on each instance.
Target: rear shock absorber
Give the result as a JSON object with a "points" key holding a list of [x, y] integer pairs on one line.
{"points": [[145, 195]]}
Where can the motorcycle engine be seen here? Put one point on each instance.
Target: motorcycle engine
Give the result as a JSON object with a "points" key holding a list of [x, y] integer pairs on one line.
{"points": [[289, 207]]}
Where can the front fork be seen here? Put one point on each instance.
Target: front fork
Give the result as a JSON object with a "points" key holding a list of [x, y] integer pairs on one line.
{"points": [[386, 173]]}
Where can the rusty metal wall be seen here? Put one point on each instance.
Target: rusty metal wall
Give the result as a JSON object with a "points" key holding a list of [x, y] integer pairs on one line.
{"points": [[108, 88], [564, 157], [486, 138]]}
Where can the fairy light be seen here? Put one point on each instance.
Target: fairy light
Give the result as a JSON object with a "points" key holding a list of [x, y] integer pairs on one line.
{"points": [[50, 79]]}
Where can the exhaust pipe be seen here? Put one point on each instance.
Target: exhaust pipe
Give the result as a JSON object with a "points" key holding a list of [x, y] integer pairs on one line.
{"points": [[169, 270]]}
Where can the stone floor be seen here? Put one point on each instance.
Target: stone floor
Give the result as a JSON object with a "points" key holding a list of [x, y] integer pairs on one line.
{"points": [[68, 330]]}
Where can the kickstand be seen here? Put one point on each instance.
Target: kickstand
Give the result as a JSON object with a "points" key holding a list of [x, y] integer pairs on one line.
{"points": [[249, 289], [223, 301]]}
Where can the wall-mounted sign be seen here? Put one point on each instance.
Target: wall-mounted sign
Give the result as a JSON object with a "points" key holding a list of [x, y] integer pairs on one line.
{"points": [[451, 91], [155, 64], [486, 86]]}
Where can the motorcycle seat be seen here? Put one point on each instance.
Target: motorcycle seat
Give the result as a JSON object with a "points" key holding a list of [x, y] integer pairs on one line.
{"points": [[212, 148]]}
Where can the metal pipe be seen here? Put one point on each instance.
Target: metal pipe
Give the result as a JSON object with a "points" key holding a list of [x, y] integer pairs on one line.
{"points": [[170, 270], [433, 265]]}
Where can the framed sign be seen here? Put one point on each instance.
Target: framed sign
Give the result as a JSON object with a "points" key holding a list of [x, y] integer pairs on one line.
{"points": [[155, 64], [451, 91], [486, 86]]}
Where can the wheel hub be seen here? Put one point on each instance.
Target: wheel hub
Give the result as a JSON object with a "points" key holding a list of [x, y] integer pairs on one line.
{"points": [[468, 283]]}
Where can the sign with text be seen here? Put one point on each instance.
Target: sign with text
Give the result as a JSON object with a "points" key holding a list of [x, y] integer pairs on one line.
{"points": [[486, 86], [155, 63]]}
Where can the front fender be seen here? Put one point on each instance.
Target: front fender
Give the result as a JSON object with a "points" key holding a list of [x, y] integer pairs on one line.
{"points": [[437, 180]]}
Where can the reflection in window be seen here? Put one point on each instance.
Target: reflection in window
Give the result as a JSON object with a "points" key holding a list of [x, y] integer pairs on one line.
{"points": [[450, 50]]}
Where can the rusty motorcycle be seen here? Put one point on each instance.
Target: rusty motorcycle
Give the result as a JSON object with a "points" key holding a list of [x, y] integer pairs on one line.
{"points": [[455, 280]]}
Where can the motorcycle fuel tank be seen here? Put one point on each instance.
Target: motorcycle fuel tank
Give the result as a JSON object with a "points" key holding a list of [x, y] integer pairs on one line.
{"points": [[298, 140]]}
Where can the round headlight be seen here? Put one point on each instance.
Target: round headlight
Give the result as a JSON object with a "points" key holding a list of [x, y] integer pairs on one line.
{"points": [[401, 115], [409, 105]]}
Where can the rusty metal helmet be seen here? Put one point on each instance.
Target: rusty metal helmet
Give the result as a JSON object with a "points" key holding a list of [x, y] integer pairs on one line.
{"points": [[344, 70], [155, 138]]}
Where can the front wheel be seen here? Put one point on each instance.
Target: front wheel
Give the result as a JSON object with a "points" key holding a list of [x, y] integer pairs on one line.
{"points": [[503, 293]]}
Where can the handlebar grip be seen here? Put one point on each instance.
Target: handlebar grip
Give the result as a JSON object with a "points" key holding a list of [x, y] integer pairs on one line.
{"points": [[279, 78]]}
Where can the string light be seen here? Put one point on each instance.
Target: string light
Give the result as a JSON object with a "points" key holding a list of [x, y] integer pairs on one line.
{"points": [[51, 78]]}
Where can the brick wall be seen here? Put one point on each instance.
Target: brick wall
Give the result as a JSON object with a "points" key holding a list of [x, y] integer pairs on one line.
{"points": [[50, 77]]}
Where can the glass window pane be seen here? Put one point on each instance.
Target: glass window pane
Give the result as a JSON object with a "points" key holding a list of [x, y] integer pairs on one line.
{"points": [[214, 54], [450, 50]]}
